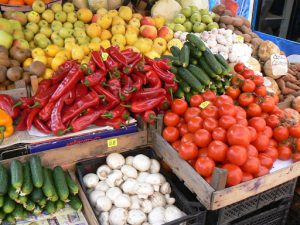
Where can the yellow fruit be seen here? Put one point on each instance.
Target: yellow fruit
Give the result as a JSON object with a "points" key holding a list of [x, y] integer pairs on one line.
{"points": [[133, 48], [69, 46], [77, 53], [105, 35], [48, 73], [122, 47], [152, 54], [125, 13], [135, 22], [49, 61], [159, 21], [148, 41], [85, 60], [105, 21], [143, 45], [112, 13], [118, 29], [70, 39], [159, 45], [27, 62], [41, 58], [118, 39], [137, 15], [85, 15], [174, 42], [37, 51], [85, 49], [93, 30], [102, 11], [167, 52], [57, 61], [131, 28], [131, 38], [105, 44], [94, 46], [64, 53], [52, 50], [117, 20]]}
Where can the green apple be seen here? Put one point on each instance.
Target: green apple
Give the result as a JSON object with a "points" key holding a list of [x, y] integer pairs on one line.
{"points": [[188, 26], [58, 41], [204, 12], [70, 39], [32, 45], [195, 17], [21, 43], [48, 15], [96, 40], [46, 30], [18, 34], [33, 17], [28, 35], [43, 43], [16, 25], [43, 23], [83, 40], [79, 24], [65, 32], [79, 32], [54, 35], [68, 7], [33, 27], [68, 25], [194, 9], [179, 27], [39, 36], [5, 39], [179, 18], [171, 26], [72, 17], [61, 16], [199, 27], [56, 25], [38, 6], [5, 26], [206, 19], [186, 11], [56, 7], [212, 25]]}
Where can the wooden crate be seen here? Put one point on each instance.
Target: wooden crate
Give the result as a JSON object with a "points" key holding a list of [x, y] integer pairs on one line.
{"points": [[19, 91]]}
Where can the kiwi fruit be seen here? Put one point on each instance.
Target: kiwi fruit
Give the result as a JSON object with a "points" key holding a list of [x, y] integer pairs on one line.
{"points": [[14, 73], [3, 71]]}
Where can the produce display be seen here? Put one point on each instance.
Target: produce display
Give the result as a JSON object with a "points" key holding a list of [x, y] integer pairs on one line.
{"points": [[29, 188], [131, 191]]}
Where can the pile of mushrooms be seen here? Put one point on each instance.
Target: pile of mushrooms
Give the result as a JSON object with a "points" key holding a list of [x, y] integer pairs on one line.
{"points": [[131, 191]]}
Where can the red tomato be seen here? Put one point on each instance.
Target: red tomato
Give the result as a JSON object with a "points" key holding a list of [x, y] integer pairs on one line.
{"points": [[252, 151], [268, 131], [253, 110], [280, 133], [245, 99], [258, 123], [251, 165], [179, 106], [209, 96], [248, 74], [234, 174], [171, 119], [262, 142], [238, 135], [181, 121], [296, 157], [268, 104], [294, 131], [237, 80], [187, 138], [258, 80], [276, 99], [210, 111], [202, 138], [196, 100], [273, 121], [183, 129], [284, 152], [237, 155], [205, 166], [191, 113], [247, 177], [253, 134], [243, 122], [176, 145], [239, 67], [265, 160], [208, 179], [298, 144], [188, 151], [202, 152], [264, 115], [273, 143], [248, 86], [170, 134], [279, 112], [227, 109], [210, 124], [261, 91], [227, 121], [222, 99], [240, 112], [262, 171], [217, 151], [195, 124], [272, 153], [233, 92], [219, 134], [192, 162]]}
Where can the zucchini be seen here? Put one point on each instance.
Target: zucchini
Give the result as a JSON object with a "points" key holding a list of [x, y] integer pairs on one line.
{"points": [[30, 205], [50, 207], [185, 87], [175, 51], [36, 171], [75, 202], [12, 193], [27, 183], [9, 205], [36, 195], [42, 203], [196, 41], [60, 183], [184, 56], [16, 172], [73, 187], [10, 219], [188, 77], [179, 93], [199, 74], [212, 62], [3, 180], [1, 201], [60, 205], [37, 211], [48, 187], [18, 212], [223, 62]]}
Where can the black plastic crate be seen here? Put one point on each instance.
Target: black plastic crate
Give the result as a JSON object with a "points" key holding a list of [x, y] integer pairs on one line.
{"points": [[185, 200], [237, 210], [13, 151]]}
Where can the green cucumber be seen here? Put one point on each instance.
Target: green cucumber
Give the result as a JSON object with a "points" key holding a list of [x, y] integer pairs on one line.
{"points": [[223, 62], [195, 52], [30, 205], [10, 219], [188, 96], [175, 51], [185, 87], [36, 195], [42, 203], [18, 212], [48, 187], [1, 201], [50, 207], [12, 193], [212, 62], [179, 93], [60, 183], [199, 74], [22, 199], [9, 206], [196, 41], [194, 92], [184, 56], [73, 187], [60, 205], [174, 70], [3, 180], [2, 216], [204, 66], [75, 202], [27, 183], [188, 77], [193, 61], [37, 211], [16, 172], [36, 171]]}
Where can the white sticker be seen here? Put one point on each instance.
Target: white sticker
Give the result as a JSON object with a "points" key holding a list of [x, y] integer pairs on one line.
{"points": [[279, 64]]}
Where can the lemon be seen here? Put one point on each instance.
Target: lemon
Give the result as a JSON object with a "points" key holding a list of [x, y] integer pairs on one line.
{"points": [[49, 61], [118, 39], [117, 20], [48, 73], [70, 40], [102, 11], [94, 46], [52, 50], [118, 29], [85, 49], [125, 13], [174, 42], [77, 53], [69, 46], [85, 15], [105, 44], [64, 53], [41, 58], [27, 62], [131, 38], [93, 30], [112, 13], [57, 61], [105, 21], [137, 15], [105, 35], [167, 52], [37, 51], [152, 54]]}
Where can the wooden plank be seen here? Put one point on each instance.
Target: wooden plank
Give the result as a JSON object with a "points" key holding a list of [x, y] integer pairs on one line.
{"points": [[253, 187], [34, 84], [219, 179], [183, 170], [16, 93], [20, 84]]}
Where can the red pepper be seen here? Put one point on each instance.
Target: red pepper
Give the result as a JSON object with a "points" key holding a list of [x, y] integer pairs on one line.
{"points": [[127, 89], [57, 126], [116, 123], [68, 83], [148, 93], [127, 51], [7, 104], [21, 126], [128, 69], [111, 64], [43, 85], [109, 97], [163, 64], [32, 114], [45, 113], [94, 79], [171, 88], [92, 66], [153, 79], [115, 53], [114, 86], [97, 58], [41, 126], [166, 76], [141, 75], [80, 90], [116, 112], [43, 98], [24, 102], [144, 105], [70, 97], [133, 57], [87, 101], [142, 67], [138, 82], [149, 116], [115, 74], [62, 71], [166, 103]]}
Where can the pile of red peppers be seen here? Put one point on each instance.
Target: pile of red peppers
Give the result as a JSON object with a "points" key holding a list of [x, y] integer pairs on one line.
{"points": [[104, 92]]}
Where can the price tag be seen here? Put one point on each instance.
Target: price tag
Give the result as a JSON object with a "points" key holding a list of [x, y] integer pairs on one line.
{"points": [[112, 142], [279, 64], [104, 56], [239, 38], [203, 105]]}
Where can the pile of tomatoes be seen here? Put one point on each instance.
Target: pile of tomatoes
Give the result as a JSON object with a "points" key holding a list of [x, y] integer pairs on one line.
{"points": [[243, 132]]}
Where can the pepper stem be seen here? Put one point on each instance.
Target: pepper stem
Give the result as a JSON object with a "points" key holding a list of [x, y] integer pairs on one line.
{"points": [[19, 103], [36, 104], [107, 115], [2, 130], [126, 106]]}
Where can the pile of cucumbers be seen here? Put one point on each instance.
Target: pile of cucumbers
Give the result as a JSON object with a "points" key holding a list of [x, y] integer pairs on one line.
{"points": [[197, 69], [29, 188]]}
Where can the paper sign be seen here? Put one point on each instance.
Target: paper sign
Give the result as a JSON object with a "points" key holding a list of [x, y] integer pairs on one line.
{"points": [[239, 38], [112, 142], [279, 64], [203, 105]]}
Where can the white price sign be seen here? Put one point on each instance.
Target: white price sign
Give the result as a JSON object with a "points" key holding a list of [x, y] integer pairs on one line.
{"points": [[279, 64]]}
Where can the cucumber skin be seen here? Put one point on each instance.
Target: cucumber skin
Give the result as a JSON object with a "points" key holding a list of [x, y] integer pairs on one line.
{"points": [[75, 202], [199, 74], [3, 180], [196, 41], [27, 184], [205, 67], [175, 51], [36, 171], [212, 62], [60, 183], [16, 172], [48, 187], [9, 206], [184, 56], [190, 79], [179, 93], [73, 187]]}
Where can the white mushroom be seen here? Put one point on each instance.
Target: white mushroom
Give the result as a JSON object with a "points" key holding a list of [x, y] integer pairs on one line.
{"points": [[169, 200], [94, 195], [146, 223], [128, 186], [141, 163], [136, 217], [102, 186], [122, 201], [142, 176], [103, 218], [103, 172], [114, 178], [118, 216], [143, 190], [157, 199], [135, 202], [157, 216], [146, 206], [173, 213], [103, 204], [129, 171], [155, 166], [129, 160], [115, 160], [155, 179], [90, 180], [165, 188], [112, 193]]}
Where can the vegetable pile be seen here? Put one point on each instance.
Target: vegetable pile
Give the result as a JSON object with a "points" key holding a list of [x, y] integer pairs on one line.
{"points": [[28, 188], [244, 139], [131, 191]]}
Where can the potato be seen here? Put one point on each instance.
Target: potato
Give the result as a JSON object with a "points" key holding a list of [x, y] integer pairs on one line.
{"points": [[7, 82], [14, 63], [227, 12], [256, 41], [223, 25], [217, 18], [237, 22], [14, 73], [230, 27], [226, 19], [245, 29], [254, 35], [247, 37], [219, 9], [237, 32]]}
